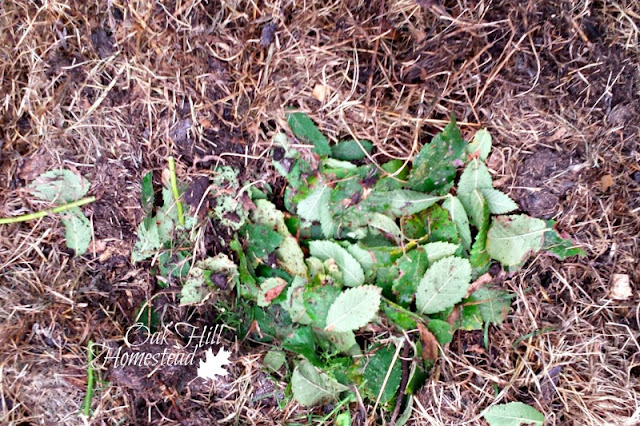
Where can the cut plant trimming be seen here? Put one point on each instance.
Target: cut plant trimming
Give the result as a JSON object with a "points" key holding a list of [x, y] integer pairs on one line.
{"points": [[367, 272], [362, 277]]}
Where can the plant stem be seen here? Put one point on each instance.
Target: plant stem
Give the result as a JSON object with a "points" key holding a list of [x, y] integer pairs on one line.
{"points": [[174, 189], [414, 316], [90, 382], [43, 213]]}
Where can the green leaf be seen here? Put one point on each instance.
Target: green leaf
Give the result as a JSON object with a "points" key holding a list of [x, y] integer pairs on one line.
{"points": [[266, 213], [459, 217], [274, 360], [304, 128], [475, 204], [376, 372], [290, 257], [60, 185], [478, 255], [513, 414], [439, 226], [270, 289], [476, 176], [302, 341], [511, 239], [438, 250], [493, 304], [195, 288], [442, 330], [148, 240], [384, 225], [343, 419], [261, 240], [436, 165], [354, 308], [309, 208], [351, 150], [470, 318], [146, 195], [398, 202], [412, 267], [311, 386], [77, 230], [560, 247], [343, 342], [498, 201], [444, 284], [294, 304], [481, 144], [350, 268], [365, 257], [317, 301]]}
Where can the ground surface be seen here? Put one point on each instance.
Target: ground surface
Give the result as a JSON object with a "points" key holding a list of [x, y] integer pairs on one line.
{"points": [[113, 88]]}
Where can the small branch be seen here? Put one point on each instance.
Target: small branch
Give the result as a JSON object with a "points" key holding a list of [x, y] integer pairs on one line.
{"points": [[43, 213], [403, 382], [414, 316], [90, 381], [174, 189]]}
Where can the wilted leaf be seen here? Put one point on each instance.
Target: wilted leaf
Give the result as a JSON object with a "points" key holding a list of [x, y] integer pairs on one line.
{"points": [[261, 240], [511, 239], [148, 240], [61, 185], [459, 217], [439, 250], [77, 230], [351, 150], [560, 247], [317, 301], [476, 176], [377, 369], [412, 267], [310, 386], [398, 202], [498, 201], [350, 268], [302, 341], [481, 144], [513, 414], [436, 164], [274, 360], [444, 284], [294, 304], [493, 304], [147, 195], [305, 129], [270, 289], [354, 308], [442, 330]]}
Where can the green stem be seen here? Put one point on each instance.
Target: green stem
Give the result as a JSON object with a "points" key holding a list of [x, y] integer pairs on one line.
{"points": [[174, 189], [43, 213], [397, 307], [90, 382]]}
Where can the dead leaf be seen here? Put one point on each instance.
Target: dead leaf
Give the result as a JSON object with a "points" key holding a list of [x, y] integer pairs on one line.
{"points": [[620, 287], [479, 283], [606, 182], [274, 292], [320, 92], [429, 343]]}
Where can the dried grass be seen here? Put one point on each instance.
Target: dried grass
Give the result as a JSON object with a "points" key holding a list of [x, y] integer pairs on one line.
{"points": [[192, 78]]}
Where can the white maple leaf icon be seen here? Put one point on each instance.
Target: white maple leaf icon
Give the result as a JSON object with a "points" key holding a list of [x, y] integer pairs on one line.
{"points": [[212, 365]]}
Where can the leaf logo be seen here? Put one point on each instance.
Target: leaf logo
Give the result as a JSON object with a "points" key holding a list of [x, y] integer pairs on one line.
{"points": [[212, 365]]}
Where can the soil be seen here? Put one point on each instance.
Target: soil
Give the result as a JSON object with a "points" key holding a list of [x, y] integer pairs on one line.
{"points": [[113, 89]]}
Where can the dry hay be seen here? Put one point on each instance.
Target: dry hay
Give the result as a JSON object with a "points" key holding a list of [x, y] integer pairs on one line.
{"points": [[112, 88]]}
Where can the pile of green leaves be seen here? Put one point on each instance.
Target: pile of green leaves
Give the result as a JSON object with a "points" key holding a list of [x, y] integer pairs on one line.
{"points": [[364, 256], [163, 238]]}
